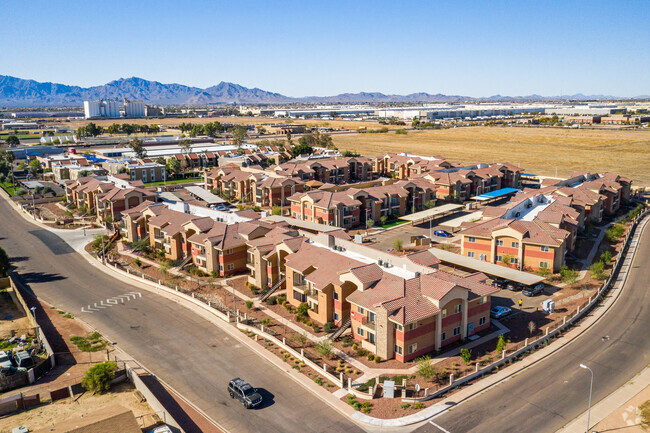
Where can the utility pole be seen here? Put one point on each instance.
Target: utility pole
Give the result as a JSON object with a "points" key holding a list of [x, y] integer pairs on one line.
{"points": [[591, 386]]}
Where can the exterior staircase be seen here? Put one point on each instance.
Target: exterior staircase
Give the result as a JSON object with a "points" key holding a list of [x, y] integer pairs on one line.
{"points": [[344, 326], [275, 287], [184, 262]]}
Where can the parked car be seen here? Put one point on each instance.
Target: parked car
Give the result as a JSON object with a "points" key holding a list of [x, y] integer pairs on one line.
{"points": [[514, 287], [499, 312], [242, 391], [501, 284], [533, 291], [442, 234], [23, 359], [161, 429], [222, 207], [5, 361]]}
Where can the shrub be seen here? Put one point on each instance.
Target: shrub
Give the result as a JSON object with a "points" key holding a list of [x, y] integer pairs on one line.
{"points": [[318, 380], [300, 339], [316, 329], [354, 346], [325, 347], [98, 378], [615, 232], [606, 257], [398, 244], [371, 356], [377, 359], [598, 270], [328, 327], [362, 352], [569, 276], [137, 262], [214, 274], [501, 344], [401, 132], [405, 405], [272, 300], [266, 321], [466, 354], [303, 309], [140, 246], [419, 405], [425, 368]]}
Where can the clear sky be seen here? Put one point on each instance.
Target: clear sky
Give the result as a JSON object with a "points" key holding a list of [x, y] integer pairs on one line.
{"points": [[322, 48]]}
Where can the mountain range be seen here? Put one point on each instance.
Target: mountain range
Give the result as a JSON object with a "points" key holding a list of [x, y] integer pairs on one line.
{"points": [[17, 92]]}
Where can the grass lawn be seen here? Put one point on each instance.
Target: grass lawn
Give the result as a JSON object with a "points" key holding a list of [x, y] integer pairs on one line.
{"points": [[175, 181], [393, 224], [536, 150], [8, 186], [20, 136]]}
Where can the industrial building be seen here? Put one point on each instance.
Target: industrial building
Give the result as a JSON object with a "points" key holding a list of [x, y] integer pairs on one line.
{"points": [[101, 109], [133, 108]]}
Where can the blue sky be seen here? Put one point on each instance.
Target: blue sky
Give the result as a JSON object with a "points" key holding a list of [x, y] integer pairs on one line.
{"points": [[323, 48]]}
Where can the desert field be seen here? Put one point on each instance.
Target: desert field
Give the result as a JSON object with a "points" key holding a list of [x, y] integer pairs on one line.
{"points": [[537, 150]]}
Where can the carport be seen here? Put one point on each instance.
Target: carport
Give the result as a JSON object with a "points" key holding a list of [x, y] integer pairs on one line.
{"points": [[487, 268], [498, 194], [431, 214]]}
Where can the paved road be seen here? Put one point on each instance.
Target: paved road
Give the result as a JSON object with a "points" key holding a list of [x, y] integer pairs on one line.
{"points": [[191, 354], [548, 395]]}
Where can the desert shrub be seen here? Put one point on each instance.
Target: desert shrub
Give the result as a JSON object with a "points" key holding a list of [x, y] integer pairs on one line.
{"points": [[98, 378], [371, 356], [377, 359], [303, 309], [466, 354], [328, 327], [598, 270], [266, 321], [325, 347], [249, 304], [425, 368], [501, 344], [137, 262]]}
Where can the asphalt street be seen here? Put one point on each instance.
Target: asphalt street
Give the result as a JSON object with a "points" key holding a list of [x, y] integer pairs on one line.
{"points": [[548, 395], [192, 355]]}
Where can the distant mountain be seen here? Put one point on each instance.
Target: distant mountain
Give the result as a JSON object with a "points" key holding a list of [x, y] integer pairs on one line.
{"points": [[16, 92]]}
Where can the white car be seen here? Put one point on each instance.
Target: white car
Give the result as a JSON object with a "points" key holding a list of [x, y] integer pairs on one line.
{"points": [[5, 361], [499, 312]]}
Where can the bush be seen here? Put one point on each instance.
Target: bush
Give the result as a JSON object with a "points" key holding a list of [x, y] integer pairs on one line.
{"points": [[318, 380], [371, 356], [249, 304], [377, 359], [606, 257], [272, 300], [325, 347], [401, 132], [266, 321], [419, 405], [303, 309], [214, 274], [98, 378], [300, 339], [598, 270], [425, 368], [354, 346], [466, 354], [329, 326], [569, 276], [615, 232], [501, 344], [362, 352], [137, 262]]}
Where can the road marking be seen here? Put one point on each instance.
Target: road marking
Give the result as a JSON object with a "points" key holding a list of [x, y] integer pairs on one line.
{"points": [[438, 427], [105, 303]]}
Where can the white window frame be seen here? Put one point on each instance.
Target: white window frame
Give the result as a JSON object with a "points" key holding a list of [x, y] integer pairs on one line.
{"points": [[398, 327], [458, 308], [230, 266], [514, 244], [481, 321], [543, 264], [412, 326], [482, 257], [471, 254], [360, 331], [471, 239], [398, 349], [444, 313], [545, 248], [499, 258], [499, 242], [413, 348], [335, 316], [456, 331], [361, 310]]}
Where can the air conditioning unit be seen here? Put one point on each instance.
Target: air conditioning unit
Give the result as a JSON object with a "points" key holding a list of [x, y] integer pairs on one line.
{"points": [[517, 215], [380, 262], [529, 205], [417, 274]]}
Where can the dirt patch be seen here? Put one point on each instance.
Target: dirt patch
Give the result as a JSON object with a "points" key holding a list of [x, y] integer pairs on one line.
{"points": [[12, 316], [42, 417]]}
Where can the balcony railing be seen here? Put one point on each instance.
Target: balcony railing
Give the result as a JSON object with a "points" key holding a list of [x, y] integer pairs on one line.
{"points": [[313, 296], [368, 324], [302, 288]]}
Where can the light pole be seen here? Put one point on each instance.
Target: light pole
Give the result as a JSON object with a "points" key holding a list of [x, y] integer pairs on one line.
{"points": [[591, 387]]}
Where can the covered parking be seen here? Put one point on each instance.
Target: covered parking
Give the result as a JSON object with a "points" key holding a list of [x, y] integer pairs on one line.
{"points": [[432, 214], [496, 195], [487, 268]]}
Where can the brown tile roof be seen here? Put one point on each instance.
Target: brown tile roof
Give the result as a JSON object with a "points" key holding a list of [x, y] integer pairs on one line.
{"points": [[424, 258]]}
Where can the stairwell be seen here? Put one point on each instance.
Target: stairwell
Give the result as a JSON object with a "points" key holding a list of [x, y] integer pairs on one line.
{"points": [[269, 292], [344, 326]]}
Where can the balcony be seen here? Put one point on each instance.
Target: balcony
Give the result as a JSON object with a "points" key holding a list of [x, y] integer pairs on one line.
{"points": [[302, 288], [312, 296], [250, 265], [368, 324]]}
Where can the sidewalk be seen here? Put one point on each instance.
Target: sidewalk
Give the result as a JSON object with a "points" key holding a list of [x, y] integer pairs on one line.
{"points": [[613, 412]]}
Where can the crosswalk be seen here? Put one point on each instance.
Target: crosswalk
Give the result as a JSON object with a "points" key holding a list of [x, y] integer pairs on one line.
{"points": [[110, 302]]}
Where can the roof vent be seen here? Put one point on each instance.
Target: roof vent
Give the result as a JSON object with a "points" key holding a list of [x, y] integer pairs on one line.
{"points": [[380, 262], [417, 275]]}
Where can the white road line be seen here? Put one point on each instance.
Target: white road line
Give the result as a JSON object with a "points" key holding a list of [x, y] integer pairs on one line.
{"points": [[98, 306], [438, 427], [112, 301]]}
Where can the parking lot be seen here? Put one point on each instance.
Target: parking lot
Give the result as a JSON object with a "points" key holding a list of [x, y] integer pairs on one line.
{"points": [[507, 298], [384, 240]]}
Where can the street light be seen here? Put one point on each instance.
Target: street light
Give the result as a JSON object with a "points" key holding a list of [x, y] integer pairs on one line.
{"points": [[591, 387]]}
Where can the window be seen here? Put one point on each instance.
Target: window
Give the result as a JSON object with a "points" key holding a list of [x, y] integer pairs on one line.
{"points": [[413, 325], [471, 254], [231, 266], [545, 248], [359, 331], [443, 336], [371, 317], [457, 330], [458, 308], [371, 338], [482, 257], [481, 321], [514, 260], [471, 239], [398, 349], [499, 258], [515, 244], [483, 300], [543, 264], [221, 267], [229, 251], [361, 310], [335, 295], [444, 313], [336, 317], [398, 327], [499, 243], [413, 348], [269, 280]]}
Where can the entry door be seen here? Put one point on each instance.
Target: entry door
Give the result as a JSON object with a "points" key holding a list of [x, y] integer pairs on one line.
{"points": [[470, 328]]}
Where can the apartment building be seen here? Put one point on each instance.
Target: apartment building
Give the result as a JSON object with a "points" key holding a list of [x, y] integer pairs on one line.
{"points": [[232, 181], [107, 196], [272, 191]]}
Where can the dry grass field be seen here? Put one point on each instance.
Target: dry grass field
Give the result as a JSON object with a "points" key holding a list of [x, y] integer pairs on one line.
{"points": [[537, 150]]}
